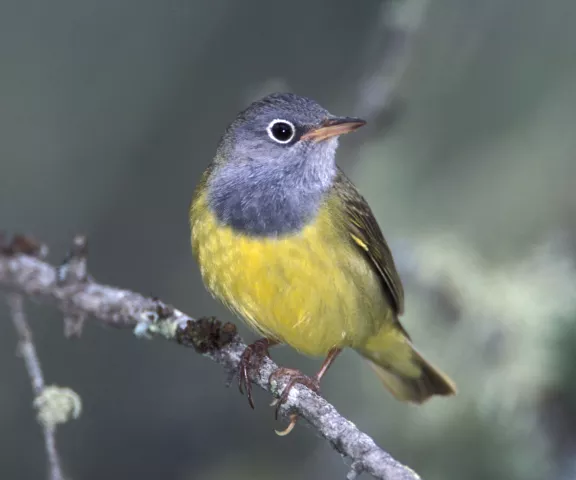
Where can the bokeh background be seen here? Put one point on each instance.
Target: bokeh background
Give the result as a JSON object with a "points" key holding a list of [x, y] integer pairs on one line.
{"points": [[111, 109]]}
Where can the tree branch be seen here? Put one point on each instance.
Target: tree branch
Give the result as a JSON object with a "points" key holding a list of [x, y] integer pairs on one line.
{"points": [[78, 297], [28, 352]]}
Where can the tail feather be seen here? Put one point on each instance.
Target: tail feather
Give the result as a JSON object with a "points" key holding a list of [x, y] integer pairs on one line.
{"points": [[406, 374], [419, 389]]}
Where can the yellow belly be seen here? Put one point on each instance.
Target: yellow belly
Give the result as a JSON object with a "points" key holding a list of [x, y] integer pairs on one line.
{"points": [[312, 290]]}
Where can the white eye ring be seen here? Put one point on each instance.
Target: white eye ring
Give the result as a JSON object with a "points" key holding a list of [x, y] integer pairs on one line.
{"points": [[275, 122]]}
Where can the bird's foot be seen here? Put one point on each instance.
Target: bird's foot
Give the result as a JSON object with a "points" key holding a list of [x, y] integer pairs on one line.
{"points": [[250, 362], [294, 377]]}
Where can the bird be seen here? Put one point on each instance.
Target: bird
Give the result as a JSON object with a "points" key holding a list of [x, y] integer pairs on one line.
{"points": [[286, 241]]}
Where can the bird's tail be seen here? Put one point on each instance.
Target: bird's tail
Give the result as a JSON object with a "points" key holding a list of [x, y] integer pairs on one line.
{"points": [[402, 370]]}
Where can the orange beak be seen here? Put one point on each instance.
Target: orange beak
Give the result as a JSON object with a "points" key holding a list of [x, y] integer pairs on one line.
{"points": [[333, 127]]}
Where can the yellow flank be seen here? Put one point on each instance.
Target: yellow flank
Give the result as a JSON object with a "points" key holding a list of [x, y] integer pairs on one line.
{"points": [[312, 290]]}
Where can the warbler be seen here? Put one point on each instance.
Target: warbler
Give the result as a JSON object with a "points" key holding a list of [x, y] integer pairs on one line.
{"points": [[285, 240]]}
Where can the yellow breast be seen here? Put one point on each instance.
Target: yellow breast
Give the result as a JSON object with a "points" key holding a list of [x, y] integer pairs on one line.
{"points": [[312, 290]]}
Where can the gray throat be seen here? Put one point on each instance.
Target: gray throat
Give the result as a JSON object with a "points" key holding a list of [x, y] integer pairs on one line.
{"points": [[263, 199]]}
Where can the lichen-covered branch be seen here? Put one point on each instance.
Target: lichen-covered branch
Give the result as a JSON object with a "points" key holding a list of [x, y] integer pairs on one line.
{"points": [[22, 271], [28, 351]]}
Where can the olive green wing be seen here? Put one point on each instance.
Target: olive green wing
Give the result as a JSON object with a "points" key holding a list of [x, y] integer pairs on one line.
{"points": [[367, 236]]}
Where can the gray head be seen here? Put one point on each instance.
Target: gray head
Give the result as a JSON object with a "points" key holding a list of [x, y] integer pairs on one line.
{"points": [[274, 165]]}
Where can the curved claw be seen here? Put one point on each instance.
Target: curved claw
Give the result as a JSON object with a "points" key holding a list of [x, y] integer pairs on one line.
{"points": [[289, 428], [251, 360], [295, 376], [244, 380]]}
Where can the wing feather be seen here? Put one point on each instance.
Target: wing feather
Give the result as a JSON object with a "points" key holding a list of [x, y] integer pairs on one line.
{"points": [[366, 235]]}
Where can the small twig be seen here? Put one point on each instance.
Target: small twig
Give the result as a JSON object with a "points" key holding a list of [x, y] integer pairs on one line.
{"points": [[28, 352], [26, 346], [28, 275], [74, 271]]}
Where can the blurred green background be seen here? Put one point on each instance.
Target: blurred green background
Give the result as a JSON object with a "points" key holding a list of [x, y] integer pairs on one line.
{"points": [[110, 111]]}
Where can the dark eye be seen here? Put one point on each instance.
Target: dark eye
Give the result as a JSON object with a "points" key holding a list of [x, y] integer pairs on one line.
{"points": [[281, 131]]}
